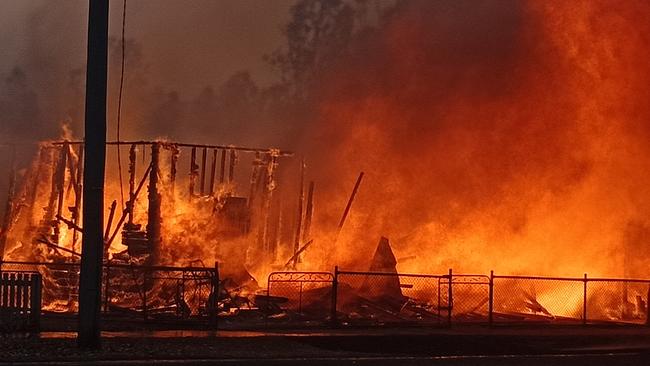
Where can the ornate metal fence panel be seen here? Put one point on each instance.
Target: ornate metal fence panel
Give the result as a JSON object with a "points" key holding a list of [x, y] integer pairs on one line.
{"points": [[302, 296]]}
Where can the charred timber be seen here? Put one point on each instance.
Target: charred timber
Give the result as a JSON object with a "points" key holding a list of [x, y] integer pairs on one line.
{"points": [[309, 212], [204, 157], [132, 159], [182, 144], [194, 172], [213, 171], [301, 200], [154, 214]]}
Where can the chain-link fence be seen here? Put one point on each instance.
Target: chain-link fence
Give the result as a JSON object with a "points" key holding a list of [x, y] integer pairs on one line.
{"points": [[297, 296], [388, 298], [537, 299], [569, 300], [623, 301], [471, 297]]}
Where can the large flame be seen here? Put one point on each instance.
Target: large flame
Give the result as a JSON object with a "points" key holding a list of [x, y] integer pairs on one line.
{"points": [[501, 135]]}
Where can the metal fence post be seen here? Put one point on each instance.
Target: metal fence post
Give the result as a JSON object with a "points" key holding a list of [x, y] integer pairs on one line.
{"points": [[491, 300], [106, 287], [213, 298], [439, 318], [450, 299], [335, 285], [300, 299], [584, 302], [144, 295], [35, 301], [647, 313]]}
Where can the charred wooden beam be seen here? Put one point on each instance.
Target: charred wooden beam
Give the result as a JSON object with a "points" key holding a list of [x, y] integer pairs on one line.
{"points": [[269, 187], [172, 173], [283, 153], [350, 200], [309, 212], [129, 206], [153, 213], [132, 166], [70, 224], [213, 171], [78, 194], [301, 199], [59, 186], [222, 175], [233, 162], [291, 263], [111, 215], [193, 172], [255, 173], [204, 157], [44, 240]]}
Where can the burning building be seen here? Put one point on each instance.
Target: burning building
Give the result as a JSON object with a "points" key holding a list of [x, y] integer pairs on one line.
{"points": [[158, 216]]}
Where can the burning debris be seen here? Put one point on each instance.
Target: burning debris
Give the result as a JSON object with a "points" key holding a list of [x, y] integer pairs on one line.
{"points": [[208, 222]]}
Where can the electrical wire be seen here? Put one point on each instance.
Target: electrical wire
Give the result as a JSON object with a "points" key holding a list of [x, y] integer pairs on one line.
{"points": [[119, 103]]}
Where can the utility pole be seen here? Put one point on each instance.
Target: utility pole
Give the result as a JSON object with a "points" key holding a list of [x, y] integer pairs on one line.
{"points": [[90, 278]]}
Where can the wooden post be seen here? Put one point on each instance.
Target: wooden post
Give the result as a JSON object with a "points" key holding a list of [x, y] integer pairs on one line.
{"points": [[254, 181], [132, 159], [90, 279], [78, 195], [213, 171], [172, 169], [222, 175], [233, 162], [107, 233], [301, 199], [153, 212], [60, 188], [193, 172], [309, 212], [204, 157]]}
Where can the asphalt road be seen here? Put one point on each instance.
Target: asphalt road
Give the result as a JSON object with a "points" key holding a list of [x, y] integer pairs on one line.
{"points": [[470, 346], [611, 359]]}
